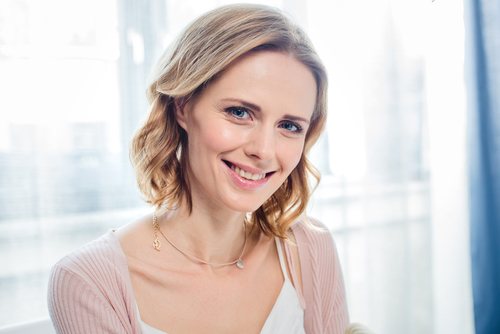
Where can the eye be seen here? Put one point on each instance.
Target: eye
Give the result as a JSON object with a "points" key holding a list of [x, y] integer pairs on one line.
{"points": [[291, 126], [238, 112]]}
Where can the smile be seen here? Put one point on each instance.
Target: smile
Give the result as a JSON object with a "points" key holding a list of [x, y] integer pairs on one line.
{"points": [[250, 177], [247, 175]]}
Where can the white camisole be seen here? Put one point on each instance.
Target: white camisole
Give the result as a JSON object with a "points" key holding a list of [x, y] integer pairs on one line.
{"points": [[287, 315]]}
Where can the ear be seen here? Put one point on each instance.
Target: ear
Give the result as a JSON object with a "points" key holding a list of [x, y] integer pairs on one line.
{"points": [[181, 112]]}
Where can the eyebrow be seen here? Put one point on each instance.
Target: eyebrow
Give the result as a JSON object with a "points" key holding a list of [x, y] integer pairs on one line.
{"points": [[259, 109]]}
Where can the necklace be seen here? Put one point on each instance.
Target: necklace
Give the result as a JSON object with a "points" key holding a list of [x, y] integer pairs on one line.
{"points": [[157, 245]]}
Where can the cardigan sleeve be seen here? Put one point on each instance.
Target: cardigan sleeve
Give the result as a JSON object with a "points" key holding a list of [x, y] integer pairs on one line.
{"points": [[322, 280], [76, 307]]}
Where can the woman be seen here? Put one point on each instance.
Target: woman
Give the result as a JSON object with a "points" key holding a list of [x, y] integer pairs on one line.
{"points": [[236, 104]]}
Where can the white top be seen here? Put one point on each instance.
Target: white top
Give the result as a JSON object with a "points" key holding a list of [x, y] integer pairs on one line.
{"points": [[286, 317]]}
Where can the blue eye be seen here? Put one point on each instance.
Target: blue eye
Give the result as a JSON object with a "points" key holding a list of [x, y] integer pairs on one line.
{"points": [[291, 126], [238, 112]]}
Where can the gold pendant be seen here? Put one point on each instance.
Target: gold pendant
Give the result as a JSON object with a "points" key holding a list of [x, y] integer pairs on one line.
{"points": [[156, 244]]}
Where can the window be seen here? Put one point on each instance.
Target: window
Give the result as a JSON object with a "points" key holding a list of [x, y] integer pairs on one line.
{"points": [[64, 170]]}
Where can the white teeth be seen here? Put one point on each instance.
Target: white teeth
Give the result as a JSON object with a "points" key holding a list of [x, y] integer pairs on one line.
{"points": [[247, 175]]}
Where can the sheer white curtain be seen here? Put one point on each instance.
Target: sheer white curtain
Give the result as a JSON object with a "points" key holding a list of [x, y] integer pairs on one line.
{"points": [[446, 109]]}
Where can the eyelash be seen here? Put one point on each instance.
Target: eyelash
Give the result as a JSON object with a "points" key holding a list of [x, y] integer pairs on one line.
{"points": [[231, 112], [296, 125]]}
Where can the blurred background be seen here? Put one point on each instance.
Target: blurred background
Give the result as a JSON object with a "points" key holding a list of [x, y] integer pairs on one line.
{"points": [[395, 190]]}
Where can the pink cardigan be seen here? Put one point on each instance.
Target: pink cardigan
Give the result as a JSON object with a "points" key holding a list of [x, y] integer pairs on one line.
{"points": [[90, 290]]}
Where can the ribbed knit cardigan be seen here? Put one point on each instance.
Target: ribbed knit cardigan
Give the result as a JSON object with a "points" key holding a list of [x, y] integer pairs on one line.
{"points": [[90, 289]]}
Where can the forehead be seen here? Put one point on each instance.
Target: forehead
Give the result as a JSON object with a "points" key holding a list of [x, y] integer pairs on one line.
{"points": [[275, 81]]}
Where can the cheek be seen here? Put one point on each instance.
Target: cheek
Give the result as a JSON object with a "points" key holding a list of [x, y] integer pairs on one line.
{"points": [[215, 137], [224, 135], [290, 155]]}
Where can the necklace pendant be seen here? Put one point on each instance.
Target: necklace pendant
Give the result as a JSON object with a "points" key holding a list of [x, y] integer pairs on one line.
{"points": [[157, 244], [240, 264]]}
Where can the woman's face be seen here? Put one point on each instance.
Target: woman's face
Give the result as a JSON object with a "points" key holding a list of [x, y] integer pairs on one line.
{"points": [[246, 130]]}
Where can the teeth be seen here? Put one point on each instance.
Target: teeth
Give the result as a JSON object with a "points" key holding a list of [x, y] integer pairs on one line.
{"points": [[247, 175]]}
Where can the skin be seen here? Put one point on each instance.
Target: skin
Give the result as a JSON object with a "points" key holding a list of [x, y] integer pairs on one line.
{"points": [[255, 115]]}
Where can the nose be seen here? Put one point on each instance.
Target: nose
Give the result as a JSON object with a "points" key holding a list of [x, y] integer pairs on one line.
{"points": [[261, 143]]}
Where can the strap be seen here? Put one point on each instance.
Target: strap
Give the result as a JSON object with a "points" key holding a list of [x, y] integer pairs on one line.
{"points": [[281, 258], [294, 274]]}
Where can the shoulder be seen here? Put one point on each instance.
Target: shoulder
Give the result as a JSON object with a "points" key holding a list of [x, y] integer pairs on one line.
{"points": [[314, 237], [98, 265], [316, 248], [89, 290]]}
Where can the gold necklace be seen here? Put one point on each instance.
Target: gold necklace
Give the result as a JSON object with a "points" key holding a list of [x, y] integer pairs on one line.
{"points": [[157, 245]]}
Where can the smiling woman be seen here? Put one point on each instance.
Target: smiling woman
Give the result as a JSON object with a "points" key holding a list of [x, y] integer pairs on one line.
{"points": [[236, 104]]}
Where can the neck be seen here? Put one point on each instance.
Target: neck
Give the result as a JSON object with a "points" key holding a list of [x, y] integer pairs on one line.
{"points": [[215, 238]]}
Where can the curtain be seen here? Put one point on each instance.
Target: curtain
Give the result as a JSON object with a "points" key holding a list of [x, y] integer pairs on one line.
{"points": [[483, 26]]}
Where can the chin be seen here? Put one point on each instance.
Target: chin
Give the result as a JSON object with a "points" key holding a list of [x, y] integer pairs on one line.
{"points": [[244, 206]]}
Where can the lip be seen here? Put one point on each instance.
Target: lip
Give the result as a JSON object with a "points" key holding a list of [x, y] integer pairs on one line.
{"points": [[245, 183]]}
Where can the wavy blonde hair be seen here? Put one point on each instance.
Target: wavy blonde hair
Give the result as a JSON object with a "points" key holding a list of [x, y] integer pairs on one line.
{"points": [[206, 48]]}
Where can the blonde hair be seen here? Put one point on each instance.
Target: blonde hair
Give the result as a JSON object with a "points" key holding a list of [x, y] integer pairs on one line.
{"points": [[206, 48]]}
